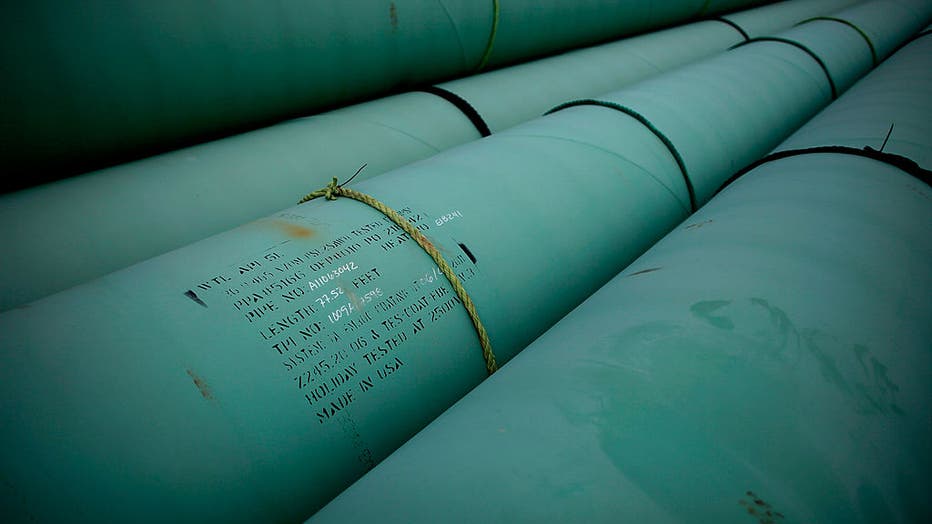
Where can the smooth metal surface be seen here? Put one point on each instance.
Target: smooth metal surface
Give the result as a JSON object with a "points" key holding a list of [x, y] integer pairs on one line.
{"points": [[767, 361]]}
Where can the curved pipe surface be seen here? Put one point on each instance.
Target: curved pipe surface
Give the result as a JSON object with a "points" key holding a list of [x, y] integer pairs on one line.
{"points": [[253, 375], [94, 83], [110, 219], [769, 360]]}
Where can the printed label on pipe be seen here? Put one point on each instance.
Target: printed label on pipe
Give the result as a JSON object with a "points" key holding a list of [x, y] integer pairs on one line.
{"points": [[336, 316]]}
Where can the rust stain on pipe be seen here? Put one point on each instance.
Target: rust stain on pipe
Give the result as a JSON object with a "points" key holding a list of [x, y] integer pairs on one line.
{"points": [[201, 385]]}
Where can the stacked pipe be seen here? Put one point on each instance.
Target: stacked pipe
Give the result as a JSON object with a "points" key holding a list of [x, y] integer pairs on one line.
{"points": [[187, 195], [151, 76], [768, 360], [253, 375]]}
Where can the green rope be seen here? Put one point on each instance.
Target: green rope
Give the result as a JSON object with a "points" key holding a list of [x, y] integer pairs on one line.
{"points": [[332, 191], [488, 46]]}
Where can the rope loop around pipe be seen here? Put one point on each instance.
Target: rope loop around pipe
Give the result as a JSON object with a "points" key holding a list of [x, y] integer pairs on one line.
{"points": [[496, 10], [810, 52], [650, 126], [460, 103], [333, 190], [905, 164], [870, 44]]}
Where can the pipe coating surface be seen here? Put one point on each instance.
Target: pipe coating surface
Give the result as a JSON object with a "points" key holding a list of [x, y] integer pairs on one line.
{"points": [[766, 361], [255, 374], [110, 219], [93, 83]]}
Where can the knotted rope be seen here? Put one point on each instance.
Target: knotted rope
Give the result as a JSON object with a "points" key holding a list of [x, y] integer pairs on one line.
{"points": [[333, 190]]}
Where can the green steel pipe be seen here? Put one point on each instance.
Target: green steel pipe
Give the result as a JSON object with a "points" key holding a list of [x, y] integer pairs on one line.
{"points": [[767, 361], [864, 119], [704, 148], [90, 84], [508, 97], [119, 216], [253, 375], [779, 15], [864, 15]]}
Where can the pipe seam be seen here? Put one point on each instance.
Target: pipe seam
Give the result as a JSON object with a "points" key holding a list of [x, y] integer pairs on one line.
{"points": [[465, 107], [828, 75], [860, 31], [646, 123], [905, 164]]}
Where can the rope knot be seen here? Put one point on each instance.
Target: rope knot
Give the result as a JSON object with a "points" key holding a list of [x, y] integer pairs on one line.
{"points": [[331, 191]]}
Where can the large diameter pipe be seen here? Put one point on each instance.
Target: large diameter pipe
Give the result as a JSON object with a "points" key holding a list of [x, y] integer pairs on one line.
{"points": [[864, 118], [524, 26], [110, 219], [153, 76], [779, 15], [702, 147], [267, 402], [768, 360], [510, 96], [863, 15], [255, 374]]}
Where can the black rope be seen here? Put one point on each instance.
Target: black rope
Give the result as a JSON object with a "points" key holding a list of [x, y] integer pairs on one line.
{"points": [[831, 83], [462, 105], [736, 27], [860, 31], [901, 162], [647, 123]]}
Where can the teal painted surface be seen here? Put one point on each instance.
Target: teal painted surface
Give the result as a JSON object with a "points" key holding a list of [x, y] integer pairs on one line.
{"points": [[774, 347], [703, 134], [864, 117], [867, 14], [110, 219], [783, 14], [252, 448], [524, 25], [153, 76], [189, 387], [844, 67], [507, 97]]}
